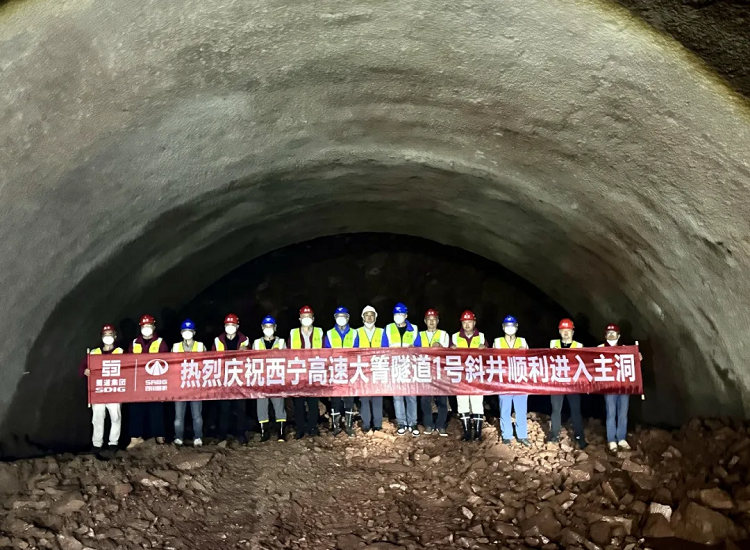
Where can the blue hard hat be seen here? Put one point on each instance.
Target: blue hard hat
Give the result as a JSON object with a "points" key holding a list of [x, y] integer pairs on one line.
{"points": [[268, 320], [341, 310], [510, 320], [187, 324], [400, 308]]}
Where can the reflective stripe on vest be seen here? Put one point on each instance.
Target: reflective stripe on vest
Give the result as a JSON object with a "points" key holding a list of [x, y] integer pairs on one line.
{"points": [[424, 338], [260, 344], [179, 347], [364, 340], [152, 348], [316, 340], [558, 344], [462, 342], [395, 336], [334, 338], [219, 345], [98, 351], [502, 343]]}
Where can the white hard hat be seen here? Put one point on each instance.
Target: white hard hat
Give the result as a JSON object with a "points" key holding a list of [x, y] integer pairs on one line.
{"points": [[369, 309]]}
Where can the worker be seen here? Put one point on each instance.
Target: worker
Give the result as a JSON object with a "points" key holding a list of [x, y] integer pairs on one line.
{"points": [[270, 341], [402, 334], [434, 338], [371, 408], [566, 329], [342, 336], [470, 407], [188, 344], [143, 413], [232, 340], [99, 411], [510, 340], [617, 405], [306, 337]]}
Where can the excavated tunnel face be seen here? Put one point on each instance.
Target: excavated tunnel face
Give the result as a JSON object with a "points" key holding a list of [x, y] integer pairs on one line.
{"points": [[149, 149]]}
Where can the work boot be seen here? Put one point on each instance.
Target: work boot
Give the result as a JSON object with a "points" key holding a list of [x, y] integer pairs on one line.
{"points": [[478, 427], [349, 419], [466, 421], [281, 424], [265, 433], [335, 424], [581, 442]]}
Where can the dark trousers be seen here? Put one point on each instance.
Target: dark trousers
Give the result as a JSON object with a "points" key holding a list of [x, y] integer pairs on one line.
{"points": [[442, 406], [342, 404], [306, 422], [371, 411], [147, 420], [226, 409], [574, 402]]}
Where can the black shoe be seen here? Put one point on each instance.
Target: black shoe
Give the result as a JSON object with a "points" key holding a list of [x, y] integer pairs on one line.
{"points": [[553, 439], [525, 442], [335, 424], [581, 442], [466, 421], [507, 441], [299, 435], [349, 421], [366, 429], [95, 450], [265, 433], [281, 430], [314, 432], [478, 427]]}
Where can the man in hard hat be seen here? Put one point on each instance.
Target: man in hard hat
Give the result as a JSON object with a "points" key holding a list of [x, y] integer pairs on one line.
{"points": [[232, 340], [510, 340], [433, 337], [402, 334], [99, 411], [188, 344], [470, 407], [617, 405], [270, 341], [306, 337], [342, 336], [147, 413], [371, 408], [566, 328]]}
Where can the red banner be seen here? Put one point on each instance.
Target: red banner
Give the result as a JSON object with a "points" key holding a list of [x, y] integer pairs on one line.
{"points": [[127, 378]]}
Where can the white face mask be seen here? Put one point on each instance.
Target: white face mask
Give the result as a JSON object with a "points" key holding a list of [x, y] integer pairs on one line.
{"points": [[612, 342], [147, 332], [510, 330], [342, 321], [268, 331], [306, 322], [108, 340], [369, 325], [187, 334], [399, 319], [230, 329]]}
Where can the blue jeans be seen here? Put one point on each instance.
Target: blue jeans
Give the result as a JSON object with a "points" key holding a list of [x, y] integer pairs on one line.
{"points": [[196, 409], [371, 411], [405, 416], [442, 406], [617, 417], [507, 403]]}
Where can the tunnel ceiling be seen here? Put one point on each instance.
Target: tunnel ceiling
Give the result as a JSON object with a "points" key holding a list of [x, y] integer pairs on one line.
{"points": [[149, 148]]}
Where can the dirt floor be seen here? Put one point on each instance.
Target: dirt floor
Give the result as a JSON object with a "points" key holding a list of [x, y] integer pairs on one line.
{"points": [[383, 491]]}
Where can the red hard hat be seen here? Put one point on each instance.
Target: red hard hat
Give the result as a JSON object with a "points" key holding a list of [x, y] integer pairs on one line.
{"points": [[147, 320], [231, 319], [431, 313], [108, 328], [306, 309], [566, 323], [468, 316], [612, 327]]}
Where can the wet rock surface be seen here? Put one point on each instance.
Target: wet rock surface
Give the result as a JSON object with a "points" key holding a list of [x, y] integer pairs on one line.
{"points": [[389, 492]]}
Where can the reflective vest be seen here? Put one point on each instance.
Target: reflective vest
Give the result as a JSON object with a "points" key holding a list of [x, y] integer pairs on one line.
{"points": [[152, 348], [394, 336], [179, 347], [334, 338], [502, 343], [364, 340], [219, 345], [426, 342], [558, 344], [462, 342], [98, 351], [316, 340], [278, 343]]}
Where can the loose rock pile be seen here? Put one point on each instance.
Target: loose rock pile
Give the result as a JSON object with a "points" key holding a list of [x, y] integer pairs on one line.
{"points": [[385, 491]]}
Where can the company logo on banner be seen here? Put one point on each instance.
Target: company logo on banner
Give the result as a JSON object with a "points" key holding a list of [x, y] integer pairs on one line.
{"points": [[110, 381], [157, 367]]}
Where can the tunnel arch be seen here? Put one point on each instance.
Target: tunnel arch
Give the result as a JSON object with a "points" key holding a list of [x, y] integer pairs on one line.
{"points": [[566, 142]]}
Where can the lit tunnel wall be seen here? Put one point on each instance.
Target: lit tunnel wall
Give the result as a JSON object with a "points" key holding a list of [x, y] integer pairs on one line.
{"points": [[149, 148]]}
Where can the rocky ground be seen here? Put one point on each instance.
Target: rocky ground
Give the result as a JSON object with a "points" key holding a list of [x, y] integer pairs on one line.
{"points": [[389, 492]]}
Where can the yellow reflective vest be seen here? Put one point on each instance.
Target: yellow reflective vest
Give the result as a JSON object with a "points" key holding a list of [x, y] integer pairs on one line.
{"points": [[394, 336], [364, 340], [558, 344], [153, 347], [179, 347], [425, 341], [334, 338], [462, 342], [98, 351], [502, 343], [278, 343], [295, 338]]}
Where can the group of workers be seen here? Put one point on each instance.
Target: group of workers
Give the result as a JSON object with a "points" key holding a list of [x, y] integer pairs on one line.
{"points": [[400, 333]]}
